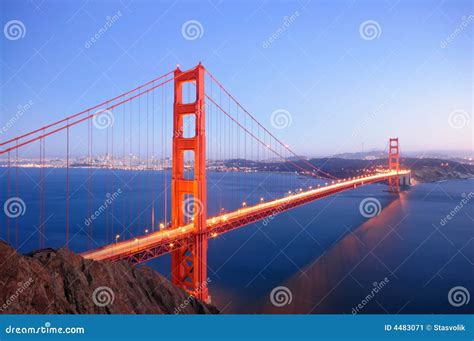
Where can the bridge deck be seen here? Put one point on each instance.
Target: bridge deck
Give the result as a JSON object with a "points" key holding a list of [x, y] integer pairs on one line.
{"points": [[158, 243]]}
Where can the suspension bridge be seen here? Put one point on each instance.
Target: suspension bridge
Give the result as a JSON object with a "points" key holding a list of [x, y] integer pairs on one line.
{"points": [[172, 212]]}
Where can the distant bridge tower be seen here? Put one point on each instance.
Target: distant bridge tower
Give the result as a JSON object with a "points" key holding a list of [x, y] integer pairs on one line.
{"points": [[394, 164], [188, 196]]}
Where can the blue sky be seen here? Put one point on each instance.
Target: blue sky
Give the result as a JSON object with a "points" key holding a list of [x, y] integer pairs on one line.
{"points": [[341, 90]]}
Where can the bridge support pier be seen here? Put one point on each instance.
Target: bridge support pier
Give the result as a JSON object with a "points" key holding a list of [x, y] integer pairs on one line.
{"points": [[405, 180], [188, 196]]}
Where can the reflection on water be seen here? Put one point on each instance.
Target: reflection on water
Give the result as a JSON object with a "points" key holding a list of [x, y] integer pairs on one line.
{"points": [[314, 289], [401, 261]]}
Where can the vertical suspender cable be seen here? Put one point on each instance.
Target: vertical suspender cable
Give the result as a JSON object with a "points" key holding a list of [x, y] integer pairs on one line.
{"points": [[67, 186]]}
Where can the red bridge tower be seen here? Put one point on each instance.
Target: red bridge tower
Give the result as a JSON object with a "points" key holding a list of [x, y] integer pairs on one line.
{"points": [[394, 165], [188, 196]]}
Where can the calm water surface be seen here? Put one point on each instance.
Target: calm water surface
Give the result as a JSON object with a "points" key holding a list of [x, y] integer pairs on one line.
{"points": [[326, 253]]}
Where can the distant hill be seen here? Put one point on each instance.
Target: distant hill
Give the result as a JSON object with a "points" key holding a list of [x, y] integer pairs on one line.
{"points": [[361, 155], [424, 169], [463, 157]]}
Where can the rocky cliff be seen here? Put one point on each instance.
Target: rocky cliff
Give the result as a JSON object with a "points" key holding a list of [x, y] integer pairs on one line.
{"points": [[60, 282]]}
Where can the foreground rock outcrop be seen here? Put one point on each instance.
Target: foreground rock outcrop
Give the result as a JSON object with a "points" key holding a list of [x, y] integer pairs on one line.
{"points": [[60, 282]]}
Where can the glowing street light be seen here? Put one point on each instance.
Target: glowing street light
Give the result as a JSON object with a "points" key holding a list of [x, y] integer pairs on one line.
{"points": [[117, 238]]}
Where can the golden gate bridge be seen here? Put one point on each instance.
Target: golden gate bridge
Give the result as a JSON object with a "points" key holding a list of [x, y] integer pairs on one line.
{"points": [[208, 126]]}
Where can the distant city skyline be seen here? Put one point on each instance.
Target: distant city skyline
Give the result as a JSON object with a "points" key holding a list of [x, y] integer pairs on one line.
{"points": [[346, 74], [468, 156]]}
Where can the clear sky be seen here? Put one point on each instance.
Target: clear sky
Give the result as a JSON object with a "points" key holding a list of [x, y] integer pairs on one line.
{"points": [[344, 87]]}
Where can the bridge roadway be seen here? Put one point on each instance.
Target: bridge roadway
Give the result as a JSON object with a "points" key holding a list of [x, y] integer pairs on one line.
{"points": [[155, 244]]}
